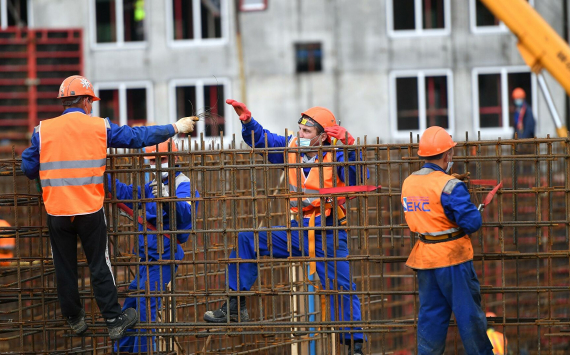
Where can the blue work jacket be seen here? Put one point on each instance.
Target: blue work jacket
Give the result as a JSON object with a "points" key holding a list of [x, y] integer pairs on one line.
{"points": [[183, 216], [117, 137]]}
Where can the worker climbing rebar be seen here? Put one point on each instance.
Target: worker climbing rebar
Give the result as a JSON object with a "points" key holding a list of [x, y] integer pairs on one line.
{"points": [[68, 154], [317, 126], [156, 277], [438, 207]]}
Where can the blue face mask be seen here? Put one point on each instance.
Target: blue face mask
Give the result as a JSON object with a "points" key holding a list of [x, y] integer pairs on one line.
{"points": [[519, 102], [306, 142]]}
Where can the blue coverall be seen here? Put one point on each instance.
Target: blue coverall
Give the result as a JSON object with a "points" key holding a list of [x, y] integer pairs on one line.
{"points": [[528, 122], [247, 249], [135, 344], [453, 288]]}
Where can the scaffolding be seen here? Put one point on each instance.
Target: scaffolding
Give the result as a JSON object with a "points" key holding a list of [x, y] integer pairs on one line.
{"points": [[522, 253]]}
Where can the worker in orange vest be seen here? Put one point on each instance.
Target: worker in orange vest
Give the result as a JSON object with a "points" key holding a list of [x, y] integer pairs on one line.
{"points": [[69, 154], [317, 126], [438, 207], [523, 118], [497, 339], [7, 246]]}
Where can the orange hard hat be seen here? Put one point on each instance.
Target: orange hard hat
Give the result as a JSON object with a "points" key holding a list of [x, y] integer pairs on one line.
{"points": [[76, 85], [490, 314], [7, 243], [518, 93], [434, 141], [324, 117], [162, 147]]}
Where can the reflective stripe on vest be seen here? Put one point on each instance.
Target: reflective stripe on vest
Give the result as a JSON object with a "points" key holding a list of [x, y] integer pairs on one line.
{"points": [[73, 155], [421, 200], [310, 184], [497, 340]]}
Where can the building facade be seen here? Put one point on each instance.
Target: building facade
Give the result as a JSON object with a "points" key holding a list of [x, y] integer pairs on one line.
{"points": [[384, 67]]}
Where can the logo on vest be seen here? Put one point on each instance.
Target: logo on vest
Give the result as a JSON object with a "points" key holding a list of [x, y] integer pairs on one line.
{"points": [[416, 203]]}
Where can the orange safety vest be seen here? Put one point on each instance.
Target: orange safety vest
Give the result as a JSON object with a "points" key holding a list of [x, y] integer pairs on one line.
{"points": [[498, 341], [7, 246], [310, 184], [73, 155], [421, 198], [311, 206]]}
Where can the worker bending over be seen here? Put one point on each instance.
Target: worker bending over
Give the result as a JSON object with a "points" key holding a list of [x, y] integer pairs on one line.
{"points": [[68, 154], [316, 126], [148, 245], [438, 207]]}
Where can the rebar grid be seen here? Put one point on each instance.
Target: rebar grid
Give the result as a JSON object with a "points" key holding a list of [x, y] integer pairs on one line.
{"points": [[521, 253]]}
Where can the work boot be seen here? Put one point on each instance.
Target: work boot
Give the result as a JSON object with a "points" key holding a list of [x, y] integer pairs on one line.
{"points": [[117, 326], [357, 348], [77, 323], [221, 315]]}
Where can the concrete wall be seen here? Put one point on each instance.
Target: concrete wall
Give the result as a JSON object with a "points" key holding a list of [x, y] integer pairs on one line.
{"points": [[358, 55]]}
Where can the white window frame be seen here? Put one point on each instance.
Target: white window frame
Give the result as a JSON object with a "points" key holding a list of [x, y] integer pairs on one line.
{"points": [[506, 131], [4, 14], [418, 31], [120, 43], [500, 28], [197, 23], [257, 7], [122, 87], [420, 75], [199, 83]]}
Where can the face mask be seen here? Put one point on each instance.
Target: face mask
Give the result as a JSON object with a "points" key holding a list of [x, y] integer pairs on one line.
{"points": [[519, 102], [306, 142], [449, 165], [164, 166]]}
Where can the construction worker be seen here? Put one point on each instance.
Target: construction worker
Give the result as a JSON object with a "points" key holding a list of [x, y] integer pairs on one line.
{"points": [[523, 120], [7, 246], [68, 154], [148, 246], [316, 126], [438, 207], [497, 339]]}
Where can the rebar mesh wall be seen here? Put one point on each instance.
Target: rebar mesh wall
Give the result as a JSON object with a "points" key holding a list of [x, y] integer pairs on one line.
{"points": [[521, 255]]}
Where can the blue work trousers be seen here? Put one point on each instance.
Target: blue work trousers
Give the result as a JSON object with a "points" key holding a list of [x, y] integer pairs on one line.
{"points": [[346, 307], [135, 344], [445, 290]]}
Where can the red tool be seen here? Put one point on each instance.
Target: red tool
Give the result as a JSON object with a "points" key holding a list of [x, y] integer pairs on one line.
{"points": [[346, 189], [489, 197]]}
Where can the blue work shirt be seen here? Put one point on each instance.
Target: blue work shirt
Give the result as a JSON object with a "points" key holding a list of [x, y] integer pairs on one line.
{"points": [[117, 137], [528, 123], [458, 207], [183, 215], [278, 141]]}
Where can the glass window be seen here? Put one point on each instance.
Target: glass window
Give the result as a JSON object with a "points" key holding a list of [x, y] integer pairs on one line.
{"points": [[418, 16], [483, 20], [196, 97], [124, 103], [109, 104], [495, 106], [422, 99], [119, 21], [408, 114], [13, 13], [196, 19], [308, 57]]}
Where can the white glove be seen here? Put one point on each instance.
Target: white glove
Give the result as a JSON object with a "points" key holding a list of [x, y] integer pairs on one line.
{"points": [[185, 125], [164, 188]]}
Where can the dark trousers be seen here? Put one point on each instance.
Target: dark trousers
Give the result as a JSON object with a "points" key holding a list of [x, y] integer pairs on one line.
{"points": [[92, 231]]}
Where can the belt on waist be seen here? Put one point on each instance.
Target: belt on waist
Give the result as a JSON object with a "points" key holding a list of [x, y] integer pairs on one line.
{"points": [[442, 238]]}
